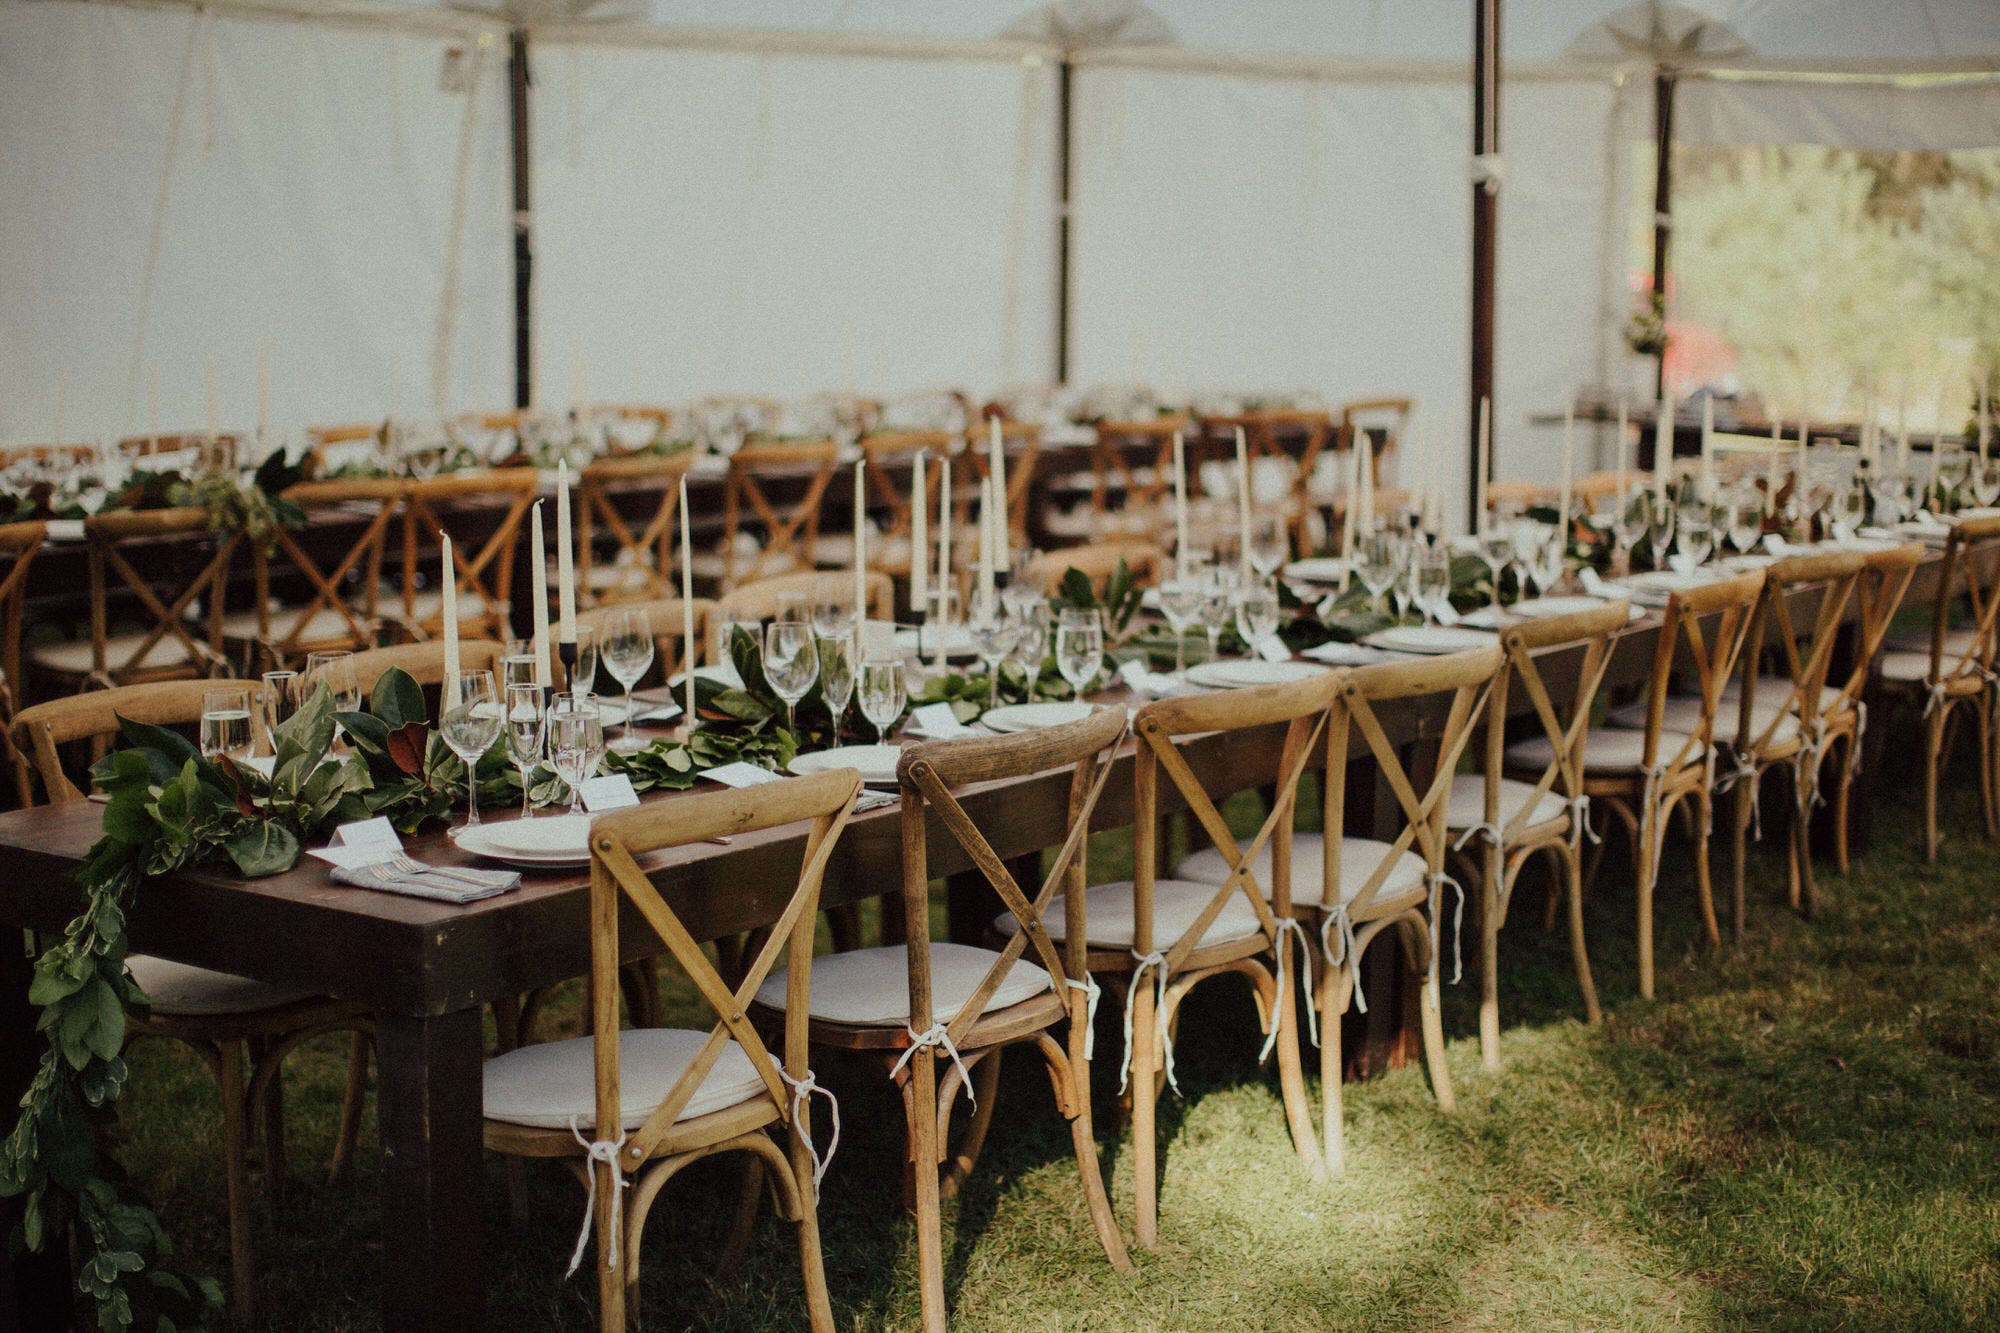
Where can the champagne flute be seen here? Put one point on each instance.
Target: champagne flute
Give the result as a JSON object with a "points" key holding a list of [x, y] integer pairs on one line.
{"points": [[1495, 548], [527, 732], [225, 724], [836, 679], [1215, 607], [470, 723], [1659, 528], [1269, 544], [882, 693], [626, 644], [1430, 578], [790, 664], [1080, 646]]}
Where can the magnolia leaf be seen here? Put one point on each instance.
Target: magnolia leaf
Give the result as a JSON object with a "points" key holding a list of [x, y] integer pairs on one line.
{"points": [[246, 804], [308, 732], [145, 736], [265, 848], [397, 699], [1076, 592], [406, 747]]}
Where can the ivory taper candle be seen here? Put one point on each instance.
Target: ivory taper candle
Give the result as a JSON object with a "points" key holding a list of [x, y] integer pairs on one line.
{"points": [[1485, 465], [1708, 447], [539, 567], [565, 559], [944, 543], [986, 546], [997, 460], [861, 548], [263, 401], [687, 604], [1180, 505], [920, 532], [1569, 455], [450, 585], [1242, 502], [1663, 445]]}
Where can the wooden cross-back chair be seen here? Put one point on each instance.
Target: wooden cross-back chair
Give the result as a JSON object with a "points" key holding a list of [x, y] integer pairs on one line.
{"points": [[1227, 908], [218, 1015], [19, 544], [1499, 824], [629, 1110], [47, 453], [463, 505], [1097, 561], [891, 457], [225, 443], [1362, 418], [1021, 444], [1878, 594], [790, 533], [645, 561], [1643, 774], [1951, 674], [1399, 883], [423, 661], [654, 416], [914, 1005], [761, 600], [345, 606], [124, 551], [1120, 464], [321, 441]]}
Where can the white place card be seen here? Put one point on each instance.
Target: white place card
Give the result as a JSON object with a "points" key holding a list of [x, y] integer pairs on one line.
{"points": [[364, 842], [938, 722], [658, 713], [611, 791], [740, 774], [1273, 649]]}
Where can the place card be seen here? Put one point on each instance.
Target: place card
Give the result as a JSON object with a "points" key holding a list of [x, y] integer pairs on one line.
{"points": [[1273, 649], [739, 774], [364, 842], [938, 722], [610, 791]]}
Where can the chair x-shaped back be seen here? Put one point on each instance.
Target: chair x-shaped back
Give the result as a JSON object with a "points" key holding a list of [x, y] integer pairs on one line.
{"points": [[108, 537], [486, 573], [297, 635], [789, 535], [648, 554]]}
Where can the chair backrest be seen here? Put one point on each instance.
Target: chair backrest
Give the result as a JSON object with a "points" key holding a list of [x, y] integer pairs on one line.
{"points": [[1519, 494], [1805, 653], [222, 447], [1710, 657], [617, 841], [1971, 565], [462, 504], [1302, 709], [1467, 680], [19, 544], [650, 421], [289, 633], [321, 440], [928, 774], [47, 453], [1098, 561], [1120, 454], [759, 600], [644, 565], [1021, 442], [109, 542], [424, 661], [1878, 593], [790, 533], [40, 731], [1593, 632], [669, 628], [1365, 418], [1598, 485], [891, 457]]}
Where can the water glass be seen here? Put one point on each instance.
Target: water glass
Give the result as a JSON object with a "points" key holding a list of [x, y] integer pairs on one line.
{"points": [[517, 669], [1080, 645], [575, 740], [225, 724], [882, 693], [280, 697], [334, 669], [790, 664], [625, 643], [1256, 614], [527, 732], [993, 637], [836, 678], [469, 714], [1180, 602]]}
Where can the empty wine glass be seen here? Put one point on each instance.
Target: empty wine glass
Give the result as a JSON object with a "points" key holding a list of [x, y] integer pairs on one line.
{"points": [[1180, 602], [1696, 526], [833, 613], [1378, 561], [1269, 544], [527, 732], [790, 665], [516, 669], [882, 693], [575, 740], [334, 669], [1256, 614], [1629, 524], [626, 645], [993, 636], [1080, 646], [1545, 562], [1430, 581], [469, 716], [1031, 640], [1851, 509], [1746, 521], [1659, 528], [583, 676], [1986, 481], [280, 697], [1216, 587], [225, 724], [836, 678], [1495, 548]]}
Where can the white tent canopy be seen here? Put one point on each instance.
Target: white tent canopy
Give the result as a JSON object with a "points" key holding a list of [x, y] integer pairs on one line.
{"points": [[789, 195]]}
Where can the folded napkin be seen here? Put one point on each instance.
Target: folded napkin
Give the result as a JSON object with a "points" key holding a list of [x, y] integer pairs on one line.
{"points": [[874, 800], [455, 884], [1154, 684]]}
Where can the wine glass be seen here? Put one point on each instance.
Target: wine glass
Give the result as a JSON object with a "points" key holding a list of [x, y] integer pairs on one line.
{"points": [[1495, 549], [1218, 586], [1031, 640], [1851, 509], [1659, 528], [1180, 602], [280, 697], [1544, 565], [1080, 645], [626, 645], [1256, 614], [1986, 481], [836, 678], [790, 665], [993, 637], [1378, 560], [225, 724], [882, 693], [516, 669], [527, 731], [833, 614], [334, 668], [1696, 525], [575, 740], [1269, 544], [1430, 581], [469, 715], [583, 676], [1629, 524], [1746, 521]]}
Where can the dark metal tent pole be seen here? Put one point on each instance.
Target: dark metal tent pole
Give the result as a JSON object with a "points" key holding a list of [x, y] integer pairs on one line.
{"points": [[1063, 72], [1485, 229], [518, 83], [1665, 79]]}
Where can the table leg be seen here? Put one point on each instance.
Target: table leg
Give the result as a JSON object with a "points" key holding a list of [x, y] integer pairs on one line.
{"points": [[429, 1073]]}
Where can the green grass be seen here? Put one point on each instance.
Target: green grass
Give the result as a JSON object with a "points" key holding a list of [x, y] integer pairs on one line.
{"points": [[1802, 1135]]}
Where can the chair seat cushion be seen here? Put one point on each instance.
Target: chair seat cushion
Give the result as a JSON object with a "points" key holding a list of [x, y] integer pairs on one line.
{"points": [[871, 987], [1957, 642], [1358, 859], [1682, 715], [552, 1083], [324, 624], [1467, 806], [1605, 750], [74, 659], [180, 990], [1913, 668], [1107, 915]]}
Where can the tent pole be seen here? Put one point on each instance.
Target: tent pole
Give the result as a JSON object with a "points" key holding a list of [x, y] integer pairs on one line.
{"points": [[1485, 230], [1063, 72], [1665, 79], [518, 82]]}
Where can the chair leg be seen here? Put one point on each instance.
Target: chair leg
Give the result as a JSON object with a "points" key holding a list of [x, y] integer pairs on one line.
{"points": [[1933, 756], [1335, 993], [812, 1264], [350, 1107], [1145, 1097], [1843, 779], [1291, 1070], [1579, 954], [1073, 1073], [985, 1089], [1704, 819], [610, 1209], [1489, 961], [1433, 1023], [1740, 814], [274, 1125], [749, 1193], [1650, 831], [236, 1179], [922, 1106], [1983, 719], [1801, 849], [844, 923]]}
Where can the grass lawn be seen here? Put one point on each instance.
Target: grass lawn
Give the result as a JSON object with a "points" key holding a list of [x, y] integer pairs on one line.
{"points": [[1803, 1135]]}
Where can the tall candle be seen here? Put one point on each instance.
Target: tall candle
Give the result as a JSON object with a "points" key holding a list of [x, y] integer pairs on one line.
{"points": [[986, 546], [687, 604], [1434, 483], [62, 392], [997, 467], [1708, 446], [1799, 479], [1985, 392], [1663, 446], [263, 402], [565, 559], [1353, 513], [1242, 501], [920, 531], [1180, 505], [1618, 458], [1485, 464], [395, 382], [153, 410], [944, 546], [450, 624], [1569, 456], [214, 412], [1777, 451], [539, 564], [1364, 470], [860, 549]]}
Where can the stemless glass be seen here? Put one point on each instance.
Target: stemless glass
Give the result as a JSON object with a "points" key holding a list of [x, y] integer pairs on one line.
{"points": [[1080, 645], [1256, 614], [833, 613], [280, 697], [790, 665], [527, 732], [575, 740], [626, 646], [993, 636], [1180, 602], [882, 694], [225, 724], [334, 668], [1031, 640], [836, 679], [470, 722]]}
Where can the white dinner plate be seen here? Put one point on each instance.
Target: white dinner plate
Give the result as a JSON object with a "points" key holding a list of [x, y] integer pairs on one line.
{"points": [[1243, 673], [1033, 717], [1317, 569], [543, 841], [875, 763], [1430, 639]]}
